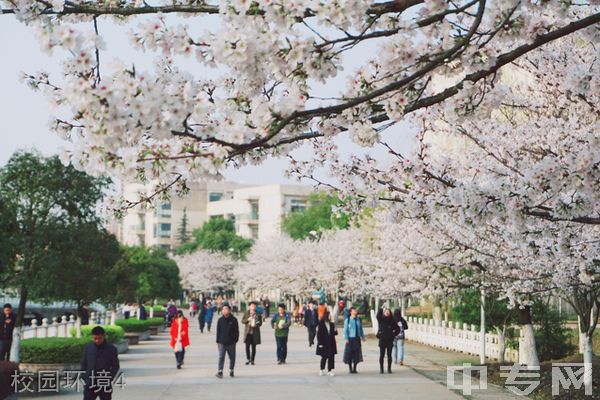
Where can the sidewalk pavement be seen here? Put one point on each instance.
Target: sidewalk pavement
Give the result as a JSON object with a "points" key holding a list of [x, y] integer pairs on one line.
{"points": [[150, 373], [432, 362]]}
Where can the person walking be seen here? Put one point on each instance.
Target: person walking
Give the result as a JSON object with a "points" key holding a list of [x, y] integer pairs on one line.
{"points": [[143, 313], [252, 321], [180, 337], [326, 344], [267, 307], [398, 346], [311, 320], [353, 335], [83, 312], [202, 316], [321, 309], [228, 334], [388, 330], [100, 359], [281, 322], [7, 326], [210, 312], [127, 310]]}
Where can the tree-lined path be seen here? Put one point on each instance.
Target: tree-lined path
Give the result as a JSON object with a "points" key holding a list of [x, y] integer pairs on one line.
{"points": [[150, 374]]}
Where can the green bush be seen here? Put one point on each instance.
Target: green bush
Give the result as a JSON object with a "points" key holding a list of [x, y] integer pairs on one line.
{"points": [[156, 321], [114, 334], [7, 369], [52, 350], [158, 308], [552, 337]]}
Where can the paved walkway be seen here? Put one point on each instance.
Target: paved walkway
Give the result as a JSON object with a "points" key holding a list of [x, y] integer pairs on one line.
{"points": [[150, 374]]}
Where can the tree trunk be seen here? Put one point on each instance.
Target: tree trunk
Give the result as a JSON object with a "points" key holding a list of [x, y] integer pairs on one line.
{"points": [[437, 312], [527, 350], [22, 303], [16, 339], [501, 345], [588, 356]]}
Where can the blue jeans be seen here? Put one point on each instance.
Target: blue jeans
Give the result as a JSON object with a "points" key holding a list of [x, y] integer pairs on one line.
{"points": [[230, 350], [398, 350], [281, 348]]}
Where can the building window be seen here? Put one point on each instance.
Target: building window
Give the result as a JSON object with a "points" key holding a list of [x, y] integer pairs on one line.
{"points": [[164, 210], [162, 230], [214, 196], [166, 247], [297, 205], [254, 231], [254, 211]]}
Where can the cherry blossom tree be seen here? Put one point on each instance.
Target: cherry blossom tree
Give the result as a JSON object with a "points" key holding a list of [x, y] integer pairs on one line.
{"points": [[206, 271], [271, 61]]}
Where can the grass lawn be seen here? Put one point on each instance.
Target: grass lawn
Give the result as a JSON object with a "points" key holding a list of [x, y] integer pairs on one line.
{"points": [[544, 390]]}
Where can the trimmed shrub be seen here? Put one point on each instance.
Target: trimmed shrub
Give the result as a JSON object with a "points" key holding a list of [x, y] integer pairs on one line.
{"points": [[156, 321], [7, 369], [114, 334], [52, 350], [133, 325]]}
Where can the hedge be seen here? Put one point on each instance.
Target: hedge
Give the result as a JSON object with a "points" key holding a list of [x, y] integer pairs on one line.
{"points": [[7, 369], [156, 321], [114, 334], [52, 350]]}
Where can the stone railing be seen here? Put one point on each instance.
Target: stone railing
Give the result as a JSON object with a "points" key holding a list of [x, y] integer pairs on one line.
{"points": [[62, 328], [456, 337]]}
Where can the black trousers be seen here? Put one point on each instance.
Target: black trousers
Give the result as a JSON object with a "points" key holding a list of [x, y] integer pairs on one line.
{"points": [[202, 322], [281, 348], [329, 360], [5, 349], [126, 314], [90, 394], [250, 348], [312, 332], [385, 350], [179, 356]]}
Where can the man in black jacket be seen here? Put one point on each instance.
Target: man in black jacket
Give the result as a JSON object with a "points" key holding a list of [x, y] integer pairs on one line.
{"points": [[7, 325], [101, 364], [311, 320], [228, 333]]}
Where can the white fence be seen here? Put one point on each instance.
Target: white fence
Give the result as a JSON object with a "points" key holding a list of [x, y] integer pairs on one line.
{"points": [[454, 336], [63, 327]]}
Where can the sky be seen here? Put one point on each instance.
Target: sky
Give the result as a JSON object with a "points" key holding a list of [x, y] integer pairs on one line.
{"points": [[24, 114]]}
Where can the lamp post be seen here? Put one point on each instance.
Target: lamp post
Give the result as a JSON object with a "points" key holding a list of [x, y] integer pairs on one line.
{"points": [[482, 333]]}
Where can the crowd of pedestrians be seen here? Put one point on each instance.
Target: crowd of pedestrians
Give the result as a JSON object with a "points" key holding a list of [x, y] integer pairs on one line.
{"points": [[320, 323]]}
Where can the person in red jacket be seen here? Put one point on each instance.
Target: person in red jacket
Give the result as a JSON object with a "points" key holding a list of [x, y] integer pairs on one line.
{"points": [[180, 337]]}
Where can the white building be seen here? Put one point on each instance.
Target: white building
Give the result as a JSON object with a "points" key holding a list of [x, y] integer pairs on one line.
{"points": [[256, 210]]}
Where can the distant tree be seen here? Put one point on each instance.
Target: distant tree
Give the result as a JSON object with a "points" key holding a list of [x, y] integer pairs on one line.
{"points": [[319, 216], [498, 315], [217, 234], [78, 260], [40, 197], [183, 235], [153, 274]]}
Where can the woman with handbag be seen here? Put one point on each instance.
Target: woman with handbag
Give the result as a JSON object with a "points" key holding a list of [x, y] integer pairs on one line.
{"points": [[180, 337], [388, 330], [326, 345], [353, 334], [252, 321], [398, 350]]}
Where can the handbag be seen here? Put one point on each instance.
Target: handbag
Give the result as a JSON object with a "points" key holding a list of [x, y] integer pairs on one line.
{"points": [[178, 347]]}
